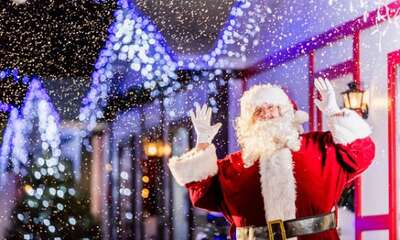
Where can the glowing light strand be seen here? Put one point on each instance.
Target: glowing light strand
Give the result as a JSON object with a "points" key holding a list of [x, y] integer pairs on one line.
{"points": [[37, 104], [135, 40]]}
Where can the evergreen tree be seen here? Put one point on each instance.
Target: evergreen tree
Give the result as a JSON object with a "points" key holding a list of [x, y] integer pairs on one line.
{"points": [[48, 206]]}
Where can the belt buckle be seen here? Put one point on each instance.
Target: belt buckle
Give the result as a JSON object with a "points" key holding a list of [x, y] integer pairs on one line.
{"points": [[272, 230]]}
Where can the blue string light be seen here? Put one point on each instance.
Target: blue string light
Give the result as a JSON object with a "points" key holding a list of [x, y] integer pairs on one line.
{"points": [[134, 41], [37, 104]]}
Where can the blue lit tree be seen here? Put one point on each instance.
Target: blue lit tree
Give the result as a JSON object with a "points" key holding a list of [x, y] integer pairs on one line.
{"points": [[48, 207]]}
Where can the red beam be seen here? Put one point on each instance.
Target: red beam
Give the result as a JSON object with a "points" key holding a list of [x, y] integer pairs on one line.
{"points": [[356, 59], [369, 223], [393, 62], [332, 35], [311, 90], [337, 70]]}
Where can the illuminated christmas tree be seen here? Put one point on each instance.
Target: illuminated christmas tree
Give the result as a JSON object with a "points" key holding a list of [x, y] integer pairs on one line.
{"points": [[48, 205]]}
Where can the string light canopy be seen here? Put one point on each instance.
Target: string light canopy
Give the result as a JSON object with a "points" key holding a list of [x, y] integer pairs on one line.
{"points": [[134, 40]]}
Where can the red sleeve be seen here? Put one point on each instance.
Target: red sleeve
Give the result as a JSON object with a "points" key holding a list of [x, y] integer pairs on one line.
{"points": [[355, 157], [349, 136], [205, 194]]}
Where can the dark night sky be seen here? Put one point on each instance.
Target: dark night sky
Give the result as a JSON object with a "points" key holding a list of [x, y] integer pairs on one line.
{"points": [[53, 38], [57, 40]]}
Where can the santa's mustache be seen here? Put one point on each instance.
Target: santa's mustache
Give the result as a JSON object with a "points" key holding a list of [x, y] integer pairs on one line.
{"points": [[263, 138]]}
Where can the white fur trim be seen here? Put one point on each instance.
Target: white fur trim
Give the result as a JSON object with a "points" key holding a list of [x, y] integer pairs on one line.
{"points": [[278, 186], [301, 116], [194, 166], [268, 94], [348, 128], [261, 94]]}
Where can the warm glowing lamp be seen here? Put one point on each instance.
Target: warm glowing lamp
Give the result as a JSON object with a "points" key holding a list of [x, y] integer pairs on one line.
{"points": [[356, 99]]}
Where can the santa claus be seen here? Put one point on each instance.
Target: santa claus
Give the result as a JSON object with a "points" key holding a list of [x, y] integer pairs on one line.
{"points": [[282, 184]]}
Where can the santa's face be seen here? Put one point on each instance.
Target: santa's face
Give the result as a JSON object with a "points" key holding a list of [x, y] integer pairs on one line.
{"points": [[266, 112], [269, 129]]}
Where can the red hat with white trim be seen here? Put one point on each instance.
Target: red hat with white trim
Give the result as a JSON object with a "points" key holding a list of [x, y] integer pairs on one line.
{"points": [[269, 94]]}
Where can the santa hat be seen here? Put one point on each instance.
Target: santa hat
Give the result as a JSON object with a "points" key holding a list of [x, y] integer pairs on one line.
{"points": [[270, 94]]}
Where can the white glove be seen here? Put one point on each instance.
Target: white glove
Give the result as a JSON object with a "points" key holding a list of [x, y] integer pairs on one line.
{"points": [[202, 124], [328, 104]]}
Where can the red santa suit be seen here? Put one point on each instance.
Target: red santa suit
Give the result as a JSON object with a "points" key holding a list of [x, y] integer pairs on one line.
{"points": [[290, 184]]}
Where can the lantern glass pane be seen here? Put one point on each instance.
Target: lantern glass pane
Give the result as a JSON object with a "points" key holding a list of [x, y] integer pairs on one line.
{"points": [[355, 100]]}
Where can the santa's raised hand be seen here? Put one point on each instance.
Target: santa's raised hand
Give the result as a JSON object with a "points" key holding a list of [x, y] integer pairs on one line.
{"points": [[201, 120], [327, 104]]}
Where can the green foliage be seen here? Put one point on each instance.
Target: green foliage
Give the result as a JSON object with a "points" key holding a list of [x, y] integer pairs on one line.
{"points": [[347, 198], [49, 207]]}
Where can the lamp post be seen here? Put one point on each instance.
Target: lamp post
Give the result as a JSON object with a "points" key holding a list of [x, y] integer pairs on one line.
{"points": [[356, 99]]}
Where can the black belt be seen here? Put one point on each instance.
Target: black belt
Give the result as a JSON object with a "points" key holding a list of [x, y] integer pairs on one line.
{"points": [[281, 230]]}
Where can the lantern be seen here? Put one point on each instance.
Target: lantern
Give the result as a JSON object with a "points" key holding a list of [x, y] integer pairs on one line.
{"points": [[356, 99]]}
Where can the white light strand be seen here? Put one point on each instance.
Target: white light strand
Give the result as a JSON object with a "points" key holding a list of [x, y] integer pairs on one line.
{"points": [[135, 41], [19, 129]]}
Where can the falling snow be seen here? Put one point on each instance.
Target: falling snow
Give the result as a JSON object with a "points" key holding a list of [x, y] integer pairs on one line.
{"points": [[96, 95]]}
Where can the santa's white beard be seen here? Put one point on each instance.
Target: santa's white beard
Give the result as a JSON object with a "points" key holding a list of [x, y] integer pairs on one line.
{"points": [[263, 138]]}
